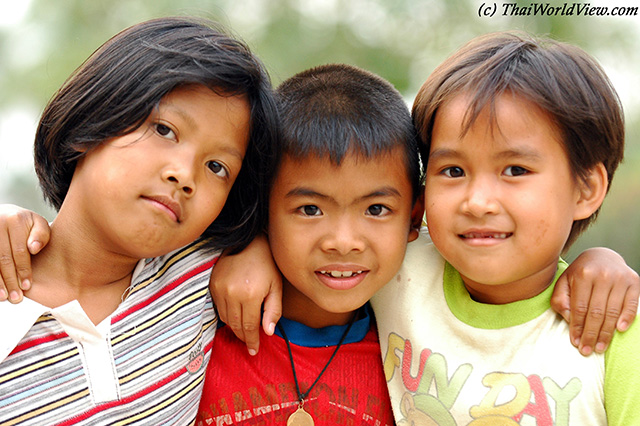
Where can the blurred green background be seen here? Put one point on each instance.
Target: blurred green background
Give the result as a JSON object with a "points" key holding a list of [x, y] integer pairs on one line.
{"points": [[43, 41]]}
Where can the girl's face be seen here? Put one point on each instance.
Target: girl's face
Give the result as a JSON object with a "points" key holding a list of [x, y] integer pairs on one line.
{"points": [[158, 188], [502, 198]]}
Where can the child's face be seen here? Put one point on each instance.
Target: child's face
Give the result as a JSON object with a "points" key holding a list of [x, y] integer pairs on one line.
{"points": [[159, 187], [501, 200], [338, 233]]}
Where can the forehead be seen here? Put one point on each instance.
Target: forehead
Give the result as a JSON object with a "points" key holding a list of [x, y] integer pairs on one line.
{"points": [[221, 119], [510, 120], [354, 175]]}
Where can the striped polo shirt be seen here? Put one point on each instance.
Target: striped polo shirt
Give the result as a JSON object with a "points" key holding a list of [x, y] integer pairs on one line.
{"points": [[143, 365]]}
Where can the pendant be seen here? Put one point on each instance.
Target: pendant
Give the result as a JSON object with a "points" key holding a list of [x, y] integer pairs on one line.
{"points": [[300, 418]]}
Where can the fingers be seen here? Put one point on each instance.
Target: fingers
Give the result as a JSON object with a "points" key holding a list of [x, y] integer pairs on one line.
{"points": [[251, 326], [604, 296], [608, 311], [15, 260], [19, 248], [579, 307], [560, 299], [599, 321], [244, 321], [601, 302], [39, 235], [22, 233], [239, 284], [272, 308], [229, 312], [9, 281], [233, 319]]}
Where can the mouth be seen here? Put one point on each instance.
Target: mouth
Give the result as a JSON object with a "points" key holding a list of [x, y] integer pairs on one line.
{"points": [[342, 278], [485, 235], [168, 205], [340, 274]]}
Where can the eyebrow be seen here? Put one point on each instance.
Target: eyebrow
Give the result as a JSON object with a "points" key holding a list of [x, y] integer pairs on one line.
{"points": [[232, 150], [228, 148], [521, 152], [443, 153], [179, 111], [385, 191]]}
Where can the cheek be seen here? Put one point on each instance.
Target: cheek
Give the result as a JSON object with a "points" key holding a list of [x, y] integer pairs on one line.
{"points": [[282, 239], [288, 255], [433, 215], [100, 187], [551, 225], [209, 206], [540, 232]]}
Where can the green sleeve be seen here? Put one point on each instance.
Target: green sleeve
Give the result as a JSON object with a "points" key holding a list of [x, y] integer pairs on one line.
{"points": [[622, 378]]}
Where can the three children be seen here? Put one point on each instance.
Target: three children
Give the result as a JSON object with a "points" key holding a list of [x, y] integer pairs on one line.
{"points": [[340, 215]]}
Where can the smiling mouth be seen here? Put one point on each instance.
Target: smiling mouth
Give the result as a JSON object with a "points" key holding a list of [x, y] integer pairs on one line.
{"points": [[490, 235], [340, 274]]}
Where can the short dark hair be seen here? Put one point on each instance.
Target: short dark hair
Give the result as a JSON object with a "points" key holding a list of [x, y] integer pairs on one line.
{"points": [[560, 78], [335, 109], [113, 92]]}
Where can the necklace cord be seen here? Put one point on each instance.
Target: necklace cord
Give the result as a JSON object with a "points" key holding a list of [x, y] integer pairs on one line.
{"points": [[303, 396]]}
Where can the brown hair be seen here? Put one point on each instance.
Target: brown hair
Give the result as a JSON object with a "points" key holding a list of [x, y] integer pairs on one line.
{"points": [[560, 78]]}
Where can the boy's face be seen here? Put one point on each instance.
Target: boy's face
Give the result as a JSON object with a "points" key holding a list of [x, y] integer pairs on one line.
{"points": [[501, 200], [159, 187], [338, 233]]}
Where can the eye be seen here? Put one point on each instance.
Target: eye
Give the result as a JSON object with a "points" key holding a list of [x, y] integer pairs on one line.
{"points": [[377, 210], [310, 210], [217, 168], [165, 131], [515, 171], [453, 172]]}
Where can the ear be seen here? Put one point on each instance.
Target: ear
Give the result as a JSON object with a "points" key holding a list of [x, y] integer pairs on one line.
{"points": [[593, 189], [417, 215]]}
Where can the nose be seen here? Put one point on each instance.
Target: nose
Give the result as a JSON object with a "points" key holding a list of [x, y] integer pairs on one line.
{"points": [[181, 172], [481, 197], [344, 237]]}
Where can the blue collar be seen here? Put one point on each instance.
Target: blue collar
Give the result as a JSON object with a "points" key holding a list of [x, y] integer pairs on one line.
{"points": [[302, 335]]}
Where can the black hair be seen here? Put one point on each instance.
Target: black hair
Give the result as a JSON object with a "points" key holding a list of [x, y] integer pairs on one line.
{"points": [[560, 78], [114, 91], [336, 109]]}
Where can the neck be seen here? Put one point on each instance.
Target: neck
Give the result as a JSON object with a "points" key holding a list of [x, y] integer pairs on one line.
{"points": [[521, 289], [298, 307], [76, 266]]}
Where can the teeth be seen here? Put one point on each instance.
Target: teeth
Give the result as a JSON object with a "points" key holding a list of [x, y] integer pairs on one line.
{"points": [[341, 274], [496, 236]]}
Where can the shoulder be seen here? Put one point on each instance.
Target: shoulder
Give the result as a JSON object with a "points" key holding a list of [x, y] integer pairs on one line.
{"points": [[197, 253], [622, 375], [194, 260], [421, 253], [624, 347], [17, 320], [422, 264], [417, 282]]}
